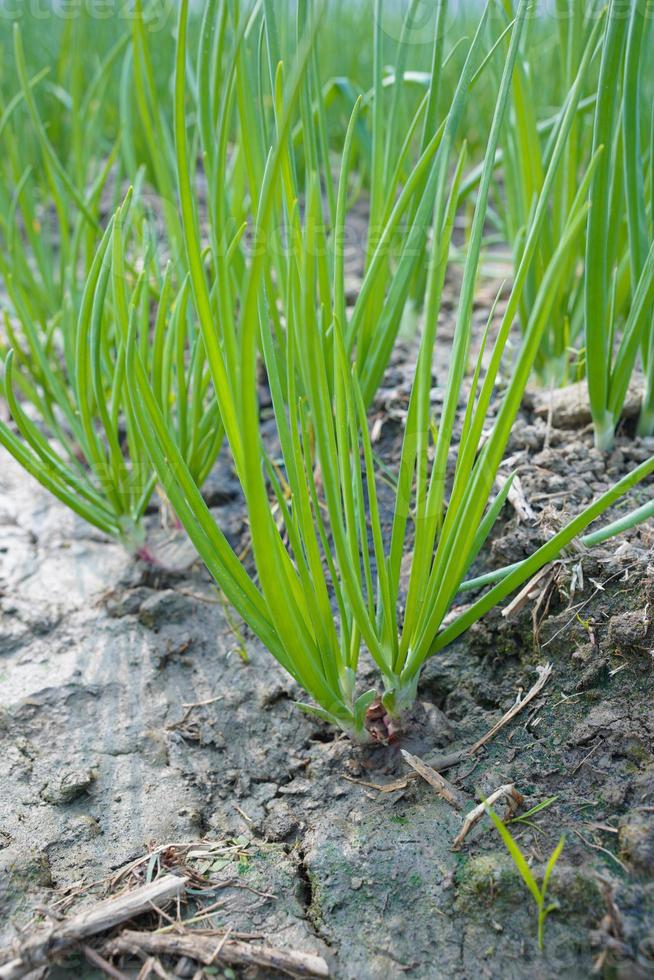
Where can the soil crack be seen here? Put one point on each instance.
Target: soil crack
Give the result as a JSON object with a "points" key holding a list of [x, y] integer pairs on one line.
{"points": [[308, 894]]}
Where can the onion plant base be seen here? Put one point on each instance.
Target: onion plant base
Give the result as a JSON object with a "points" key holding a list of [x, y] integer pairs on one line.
{"points": [[604, 431], [375, 717]]}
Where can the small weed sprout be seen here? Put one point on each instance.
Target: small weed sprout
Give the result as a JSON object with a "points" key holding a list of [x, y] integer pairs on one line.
{"points": [[538, 892], [525, 818]]}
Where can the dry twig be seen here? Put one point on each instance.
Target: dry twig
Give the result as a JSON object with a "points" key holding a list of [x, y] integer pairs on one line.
{"points": [[508, 792], [392, 787], [43, 944], [544, 674], [208, 950], [518, 500], [99, 961], [444, 788], [532, 590]]}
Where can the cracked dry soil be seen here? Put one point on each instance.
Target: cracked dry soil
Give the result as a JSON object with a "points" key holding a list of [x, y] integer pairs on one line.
{"points": [[100, 758]]}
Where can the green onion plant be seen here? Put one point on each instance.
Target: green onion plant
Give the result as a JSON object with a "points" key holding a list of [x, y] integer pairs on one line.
{"points": [[50, 207], [602, 317], [124, 368], [621, 188], [329, 583], [73, 424], [399, 133], [66, 273], [526, 148]]}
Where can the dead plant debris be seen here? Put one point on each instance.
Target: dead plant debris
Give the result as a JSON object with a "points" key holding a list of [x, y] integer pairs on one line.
{"points": [[170, 895], [508, 792], [445, 789]]}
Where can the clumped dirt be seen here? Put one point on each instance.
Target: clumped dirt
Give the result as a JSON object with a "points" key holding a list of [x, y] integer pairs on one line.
{"points": [[136, 711]]}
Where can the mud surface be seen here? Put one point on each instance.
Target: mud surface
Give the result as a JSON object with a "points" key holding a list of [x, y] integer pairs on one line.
{"points": [[101, 757]]}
